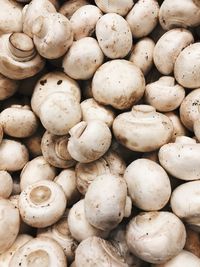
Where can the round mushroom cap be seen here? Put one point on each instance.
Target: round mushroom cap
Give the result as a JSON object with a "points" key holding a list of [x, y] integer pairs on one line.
{"points": [[117, 6], [7, 87], [71, 6], [6, 183]]}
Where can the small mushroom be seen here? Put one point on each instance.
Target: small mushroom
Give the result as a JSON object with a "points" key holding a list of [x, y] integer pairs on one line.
{"points": [[33, 143], [42, 204], [118, 6], [69, 8], [6, 183], [7, 87]]}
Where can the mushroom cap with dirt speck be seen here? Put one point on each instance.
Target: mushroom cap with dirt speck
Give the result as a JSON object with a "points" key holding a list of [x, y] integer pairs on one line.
{"points": [[119, 7]]}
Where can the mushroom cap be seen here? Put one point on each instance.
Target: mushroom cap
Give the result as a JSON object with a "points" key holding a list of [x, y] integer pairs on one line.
{"points": [[8, 87], [6, 183], [119, 7], [69, 8]]}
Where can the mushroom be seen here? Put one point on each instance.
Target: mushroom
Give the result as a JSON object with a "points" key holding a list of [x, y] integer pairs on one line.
{"points": [[118, 83], [42, 204], [114, 35], [164, 95], [33, 143], [89, 141], [7, 87], [36, 170], [79, 65], [150, 237], [13, 155], [192, 242], [144, 129], [79, 227], [148, 184], [181, 159], [18, 57], [142, 54], [106, 202], [6, 183], [68, 8], [118, 6], [18, 121], [168, 48], [9, 224], [41, 251], [143, 17], [84, 21]]}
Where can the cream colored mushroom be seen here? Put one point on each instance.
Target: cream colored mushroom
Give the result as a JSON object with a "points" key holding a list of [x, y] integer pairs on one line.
{"points": [[33, 143], [106, 202], [181, 159], [114, 35], [192, 242], [118, 83], [96, 251], [143, 17], [42, 204], [67, 180], [6, 183], [150, 237], [118, 6], [173, 15], [60, 233], [187, 66], [53, 82], [185, 203], [68, 8], [59, 113], [164, 95], [79, 227], [36, 170], [111, 162], [148, 184], [7, 87], [1, 133], [18, 121], [18, 56], [13, 155], [79, 65], [41, 251], [144, 129], [54, 150], [84, 21], [168, 48], [89, 141], [52, 35], [9, 224], [142, 54], [92, 110]]}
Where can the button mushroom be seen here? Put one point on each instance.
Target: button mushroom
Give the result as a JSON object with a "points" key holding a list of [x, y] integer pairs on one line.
{"points": [[6, 183]]}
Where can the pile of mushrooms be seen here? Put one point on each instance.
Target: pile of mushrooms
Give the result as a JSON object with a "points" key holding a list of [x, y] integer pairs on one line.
{"points": [[100, 133]]}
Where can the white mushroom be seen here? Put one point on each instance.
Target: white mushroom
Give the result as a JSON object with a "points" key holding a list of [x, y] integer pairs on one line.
{"points": [[69, 7], [7, 87], [117, 6], [6, 183]]}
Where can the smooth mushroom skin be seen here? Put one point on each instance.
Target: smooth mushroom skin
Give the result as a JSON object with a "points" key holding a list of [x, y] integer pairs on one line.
{"points": [[196, 128], [41, 251], [89, 141], [33, 143], [54, 150], [118, 83], [59, 113], [164, 95], [150, 237], [13, 155], [9, 224], [105, 202], [192, 242], [95, 251], [36, 170], [6, 183], [52, 35], [173, 15], [84, 21], [111, 162], [82, 66], [145, 179], [142, 54], [114, 36], [42, 204], [168, 48], [67, 180], [60, 233], [187, 67], [184, 258], [32, 11], [53, 82], [119, 7], [92, 110], [145, 130], [181, 159], [71, 6], [143, 18], [18, 56], [18, 121], [78, 225], [10, 16], [8, 87], [73, 264], [179, 129], [185, 203]]}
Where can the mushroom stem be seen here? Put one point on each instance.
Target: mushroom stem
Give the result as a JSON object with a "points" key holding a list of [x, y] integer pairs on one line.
{"points": [[61, 148], [143, 110]]}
